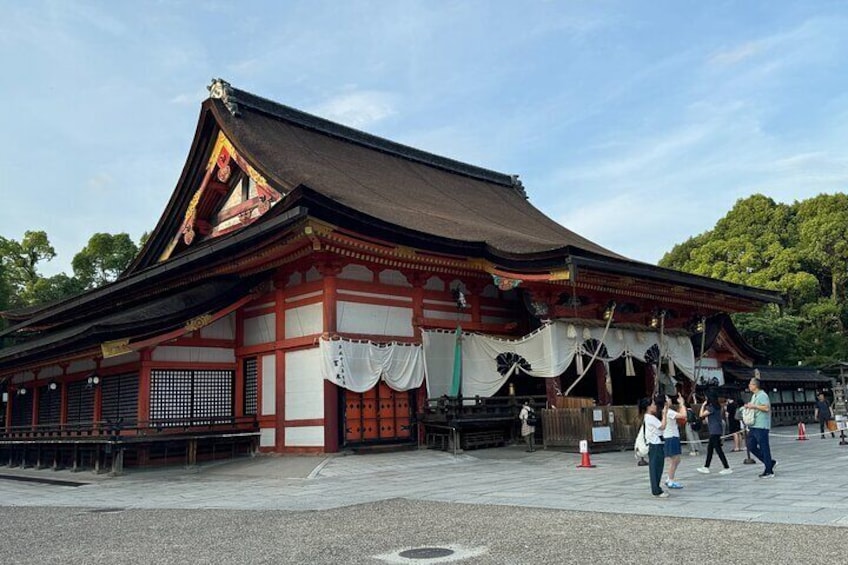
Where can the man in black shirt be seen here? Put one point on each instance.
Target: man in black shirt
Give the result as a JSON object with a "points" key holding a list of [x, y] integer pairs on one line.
{"points": [[823, 414]]}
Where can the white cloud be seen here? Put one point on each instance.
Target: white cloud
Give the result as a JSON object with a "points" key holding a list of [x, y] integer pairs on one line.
{"points": [[100, 182], [357, 109], [737, 54]]}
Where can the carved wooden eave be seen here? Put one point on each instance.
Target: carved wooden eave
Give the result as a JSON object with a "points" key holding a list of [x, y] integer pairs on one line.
{"points": [[359, 247]]}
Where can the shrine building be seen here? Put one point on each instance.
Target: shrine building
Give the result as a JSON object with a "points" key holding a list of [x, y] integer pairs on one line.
{"points": [[310, 288]]}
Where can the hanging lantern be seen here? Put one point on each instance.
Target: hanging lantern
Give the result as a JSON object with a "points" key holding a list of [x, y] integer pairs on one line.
{"points": [[670, 367], [571, 332], [579, 363], [587, 334]]}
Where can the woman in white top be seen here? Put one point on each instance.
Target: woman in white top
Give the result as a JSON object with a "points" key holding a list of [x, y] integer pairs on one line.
{"points": [[654, 427], [671, 438]]}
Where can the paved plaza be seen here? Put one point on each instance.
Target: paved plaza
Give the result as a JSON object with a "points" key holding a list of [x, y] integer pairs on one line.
{"points": [[423, 492]]}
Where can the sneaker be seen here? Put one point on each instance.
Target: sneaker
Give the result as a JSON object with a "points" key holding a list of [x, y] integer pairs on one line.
{"points": [[725, 471], [766, 475], [704, 470], [673, 484], [693, 453], [663, 494]]}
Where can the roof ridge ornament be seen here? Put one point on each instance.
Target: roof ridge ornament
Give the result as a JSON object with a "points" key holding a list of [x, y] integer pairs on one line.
{"points": [[518, 185], [222, 90]]}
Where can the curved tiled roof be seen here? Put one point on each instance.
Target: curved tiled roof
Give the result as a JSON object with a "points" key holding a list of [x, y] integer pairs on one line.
{"points": [[391, 182]]}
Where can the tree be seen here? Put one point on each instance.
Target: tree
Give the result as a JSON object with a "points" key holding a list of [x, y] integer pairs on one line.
{"points": [[20, 263], [799, 249], [823, 231], [103, 259]]}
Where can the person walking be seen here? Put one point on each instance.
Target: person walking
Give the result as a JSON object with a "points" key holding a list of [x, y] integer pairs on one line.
{"points": [[692, 438], [823, 414], [758, 430], [528, 425], [671, 438], [654, 427], [713, 412], [734, 425]]}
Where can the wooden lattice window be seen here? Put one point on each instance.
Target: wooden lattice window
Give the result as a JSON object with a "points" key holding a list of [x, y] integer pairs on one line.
{"points": [[250, 386], [120, 398], [49, 403], [186, 397], [80, 403], [21, 409]]}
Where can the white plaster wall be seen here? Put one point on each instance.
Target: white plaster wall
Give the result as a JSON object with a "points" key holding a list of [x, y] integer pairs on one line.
{"points": [[435, 283], [305, 320], [306, 436], [353, 317], [194, 354], [225, 328], [356, 273], [51, 371], [260, 329], [294, 280], [390, 276], [269, 385], [443, 315], [80, 366], [267, 437], [304, 385]]}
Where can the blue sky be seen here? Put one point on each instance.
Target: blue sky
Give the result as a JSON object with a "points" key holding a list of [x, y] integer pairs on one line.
{"points": [[635, 124]]}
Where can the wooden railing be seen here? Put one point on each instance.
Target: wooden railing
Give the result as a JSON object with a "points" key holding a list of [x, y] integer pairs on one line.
{"points": [[567, 427], [123, 429]]}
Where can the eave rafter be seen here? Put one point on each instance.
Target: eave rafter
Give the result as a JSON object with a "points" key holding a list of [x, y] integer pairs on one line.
{"points": [[332, 239]]}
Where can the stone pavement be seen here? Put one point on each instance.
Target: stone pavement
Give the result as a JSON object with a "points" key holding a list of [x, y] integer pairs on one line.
{"points": [[810, 486]]}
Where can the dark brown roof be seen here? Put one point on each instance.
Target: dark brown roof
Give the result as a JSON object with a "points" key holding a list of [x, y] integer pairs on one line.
{"points": [[775, 374], [392, 182], [156, 316]]}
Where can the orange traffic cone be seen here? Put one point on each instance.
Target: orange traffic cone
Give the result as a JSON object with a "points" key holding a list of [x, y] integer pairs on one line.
{"points": [[802, 432], [586, 460]]}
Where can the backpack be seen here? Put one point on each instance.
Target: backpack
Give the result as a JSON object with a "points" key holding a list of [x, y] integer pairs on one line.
{"points": [[693, 420], [532, 420], [640, 446]]}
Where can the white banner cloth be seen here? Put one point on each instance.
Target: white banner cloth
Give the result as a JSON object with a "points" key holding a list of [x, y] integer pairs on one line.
{"points": [[548, 352], [358, 366]]}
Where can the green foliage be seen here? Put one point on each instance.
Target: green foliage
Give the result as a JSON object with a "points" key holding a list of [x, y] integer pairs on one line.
{"points": [[20, 264], [799, 249], [103, 259], [100, 261]]}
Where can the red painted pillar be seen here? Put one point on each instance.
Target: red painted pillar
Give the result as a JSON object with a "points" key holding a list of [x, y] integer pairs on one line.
{"points": [[604, 398], [280, 362], [332, 425], [418, 280], [144, 388]]}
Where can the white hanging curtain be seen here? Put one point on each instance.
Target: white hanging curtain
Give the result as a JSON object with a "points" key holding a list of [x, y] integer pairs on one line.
{"points": [[548, 352], [358, 366]]}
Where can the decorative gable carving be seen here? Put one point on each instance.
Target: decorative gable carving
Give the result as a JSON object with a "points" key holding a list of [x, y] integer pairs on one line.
{"points": [[232, 195]]}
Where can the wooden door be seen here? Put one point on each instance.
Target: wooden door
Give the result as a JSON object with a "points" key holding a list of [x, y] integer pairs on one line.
{"points": [[380, 414]]}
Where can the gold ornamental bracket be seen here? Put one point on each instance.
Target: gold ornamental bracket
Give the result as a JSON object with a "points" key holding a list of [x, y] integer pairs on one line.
{"points": [[115, 348], [198, 322]]}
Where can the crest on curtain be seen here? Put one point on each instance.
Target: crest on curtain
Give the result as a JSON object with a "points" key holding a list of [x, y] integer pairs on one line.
{"points": [[509, 360]]}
